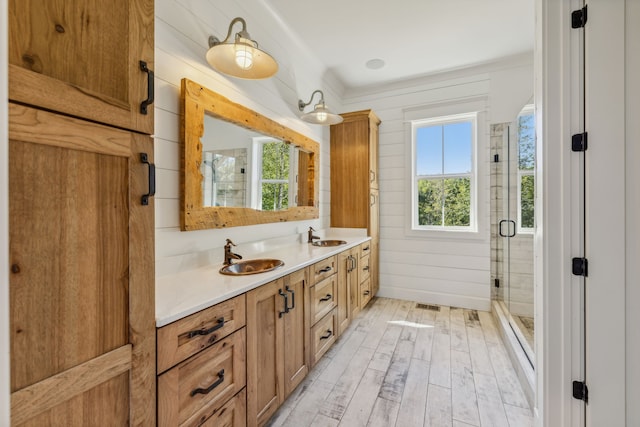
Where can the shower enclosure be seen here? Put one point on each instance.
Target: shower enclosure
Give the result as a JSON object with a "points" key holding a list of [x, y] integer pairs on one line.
{"points": [[512, 224]]}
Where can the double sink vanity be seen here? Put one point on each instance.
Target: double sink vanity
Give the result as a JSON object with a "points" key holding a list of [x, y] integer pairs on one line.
{"points": [[232, 347], [238, 334]]}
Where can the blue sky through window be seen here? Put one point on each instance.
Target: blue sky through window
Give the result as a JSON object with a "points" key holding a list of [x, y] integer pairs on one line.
{"points": [[454, 139]]}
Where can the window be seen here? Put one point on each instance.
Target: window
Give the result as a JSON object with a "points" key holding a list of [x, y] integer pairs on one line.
{"points": [[526, 165], [273, 174], [444, 173]]}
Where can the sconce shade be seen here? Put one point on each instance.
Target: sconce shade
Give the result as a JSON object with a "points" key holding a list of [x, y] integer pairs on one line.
{"points": [[240, 57], [320, 115]]}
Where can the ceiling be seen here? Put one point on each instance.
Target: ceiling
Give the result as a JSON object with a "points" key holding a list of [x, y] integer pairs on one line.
{"points": [[413, 37]]}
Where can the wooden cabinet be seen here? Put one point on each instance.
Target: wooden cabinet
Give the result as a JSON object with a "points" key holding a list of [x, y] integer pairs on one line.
{"points": [[82, 58], [277, 343], [197, 388], [82, 299], [348, 288], [355, 180], [202, 367], [81, 240]]}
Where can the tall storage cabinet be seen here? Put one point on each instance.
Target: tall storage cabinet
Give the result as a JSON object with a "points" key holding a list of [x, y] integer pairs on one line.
{"points": [[354, 180], [81, 238]]}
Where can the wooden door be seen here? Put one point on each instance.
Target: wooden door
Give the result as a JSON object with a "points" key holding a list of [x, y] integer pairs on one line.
{"points": [[373, 150], [346, 265], [82, 285], [296, 330], [265, 345], [350, 172], [374, 232], [354, 282], [82, 58]]}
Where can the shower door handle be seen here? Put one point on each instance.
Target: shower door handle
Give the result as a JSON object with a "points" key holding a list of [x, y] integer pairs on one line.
{"points": [[510, 234]]}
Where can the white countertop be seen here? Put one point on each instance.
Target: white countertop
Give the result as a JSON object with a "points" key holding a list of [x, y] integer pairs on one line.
{"points": [[179, 295]]}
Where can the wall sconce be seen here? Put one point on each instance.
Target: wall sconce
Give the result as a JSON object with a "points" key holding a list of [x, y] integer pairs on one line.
{"points": [[240, 57], [320, 114]]}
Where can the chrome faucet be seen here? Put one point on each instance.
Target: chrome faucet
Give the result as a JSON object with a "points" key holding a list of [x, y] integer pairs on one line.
{"points": [[311, 236], [228, 255]]}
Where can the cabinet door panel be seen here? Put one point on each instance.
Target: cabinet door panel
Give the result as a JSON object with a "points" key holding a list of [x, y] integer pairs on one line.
{"points": [[265, 344], [81, 251], [82, 57], [296, 327]]}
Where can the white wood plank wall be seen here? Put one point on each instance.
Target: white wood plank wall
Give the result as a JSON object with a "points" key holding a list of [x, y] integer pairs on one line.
{"points": [[447, 271], [181, 34]]}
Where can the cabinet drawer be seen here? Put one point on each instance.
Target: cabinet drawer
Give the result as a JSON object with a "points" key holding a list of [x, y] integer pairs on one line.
{"points": [[323, 298], [323, 335], [185, 337], [232, 414], [323, 269], [198, 387], [365, 293], [365, 268], [365, 249]]}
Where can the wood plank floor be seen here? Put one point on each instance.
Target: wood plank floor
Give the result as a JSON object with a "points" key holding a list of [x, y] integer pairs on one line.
{"points": [[401, 365]]}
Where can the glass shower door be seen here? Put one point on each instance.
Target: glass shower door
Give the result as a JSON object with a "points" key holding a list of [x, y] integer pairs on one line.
{"points": [[513, 145]]}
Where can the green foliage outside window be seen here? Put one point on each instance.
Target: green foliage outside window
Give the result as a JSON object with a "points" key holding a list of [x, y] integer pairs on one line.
{"points": [[275, 176], [444, 202], [527, 192]]}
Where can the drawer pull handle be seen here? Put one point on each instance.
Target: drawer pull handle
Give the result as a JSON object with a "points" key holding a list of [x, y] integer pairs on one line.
{"points": [[325, 270], [327, 335], [220, 324], [219, 381], [327, 298], [365, 249], [365, 268], [144, 104], [293, 298], [367, 292], [286, 303]]}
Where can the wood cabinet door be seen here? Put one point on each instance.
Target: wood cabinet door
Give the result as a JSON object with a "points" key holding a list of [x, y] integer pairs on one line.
{"points": [[296, 330], [354, 282], [265, 346], [374, 261], [82, 272], [373, 152], [346, 266], [82, 58], [350, 173]]}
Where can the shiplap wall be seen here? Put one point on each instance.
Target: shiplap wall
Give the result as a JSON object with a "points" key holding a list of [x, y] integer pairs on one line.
{"points": [[181, 33], [441, 269]]}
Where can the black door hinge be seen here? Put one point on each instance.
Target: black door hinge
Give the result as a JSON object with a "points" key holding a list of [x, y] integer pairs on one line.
{"points": [[496, 158], [496, 282], [579, 267], [580, 391], [579, 18], [579, 142]]}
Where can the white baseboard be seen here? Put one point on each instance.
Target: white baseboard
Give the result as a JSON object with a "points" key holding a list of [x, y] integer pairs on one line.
{"points": [[427, 297]]}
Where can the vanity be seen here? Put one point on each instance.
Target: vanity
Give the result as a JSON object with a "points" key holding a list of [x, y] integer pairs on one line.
{"points": [[235, 338], [231, 349]]}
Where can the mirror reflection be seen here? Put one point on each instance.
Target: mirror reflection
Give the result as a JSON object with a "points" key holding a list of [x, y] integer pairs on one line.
{"points": [[242, 168], [245, 168]]}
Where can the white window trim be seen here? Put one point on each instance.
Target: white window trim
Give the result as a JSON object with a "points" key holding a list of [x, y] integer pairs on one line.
{"points": [[256, 169], [526, 110], [479, 105]]}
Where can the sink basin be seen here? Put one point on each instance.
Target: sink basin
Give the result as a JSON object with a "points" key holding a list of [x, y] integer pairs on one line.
{"points": [[251, 266], [328, 243]]}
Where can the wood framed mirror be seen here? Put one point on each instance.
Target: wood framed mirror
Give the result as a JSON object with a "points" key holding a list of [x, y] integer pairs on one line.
{"points": [[240, 167]]}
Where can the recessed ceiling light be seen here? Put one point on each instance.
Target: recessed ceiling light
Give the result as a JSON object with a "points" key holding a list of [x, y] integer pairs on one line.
{"points": [[375, 64]]}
